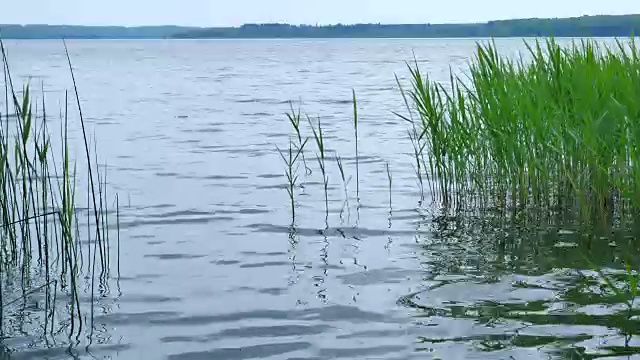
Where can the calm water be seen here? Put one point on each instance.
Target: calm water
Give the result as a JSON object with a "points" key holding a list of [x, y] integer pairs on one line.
{"points": [[210, 268]]}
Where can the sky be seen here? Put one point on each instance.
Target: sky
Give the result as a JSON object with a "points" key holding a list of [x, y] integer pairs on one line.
{"points": [[237, 12]]}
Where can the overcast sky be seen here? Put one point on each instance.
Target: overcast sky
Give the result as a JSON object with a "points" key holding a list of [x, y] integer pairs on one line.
{"points": [[235, 12]]}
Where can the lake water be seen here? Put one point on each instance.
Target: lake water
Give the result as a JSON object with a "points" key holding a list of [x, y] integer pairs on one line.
{"points": [[210, 268]]}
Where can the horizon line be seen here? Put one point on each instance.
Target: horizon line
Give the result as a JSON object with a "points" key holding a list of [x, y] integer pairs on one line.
{"points": [[317, 24]]}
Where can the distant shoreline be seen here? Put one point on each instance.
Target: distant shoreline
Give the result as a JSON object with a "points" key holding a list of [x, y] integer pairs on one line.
{"points": [[584, 26], [316, 38]]}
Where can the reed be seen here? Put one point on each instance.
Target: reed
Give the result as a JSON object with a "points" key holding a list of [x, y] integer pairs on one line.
{"points": [[414, 137], [118, 231], [321, 157], [626, 293], [294, 119], [389, 182], [39, 229], [419, 160], [345, 185], [290, 159], [558, 126], [355, 128]]}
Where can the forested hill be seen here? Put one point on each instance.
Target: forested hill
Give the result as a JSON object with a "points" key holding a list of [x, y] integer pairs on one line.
{"points": [[625, 25], [585, 26], [89, 32]]}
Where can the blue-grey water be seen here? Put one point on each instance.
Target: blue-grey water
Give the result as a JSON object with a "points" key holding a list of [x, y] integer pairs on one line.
{"points": [[210, 267]]}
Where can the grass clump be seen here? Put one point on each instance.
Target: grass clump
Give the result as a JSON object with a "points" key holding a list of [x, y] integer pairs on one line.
{"points": [[40, 243], [296, 154], [559, 126]]}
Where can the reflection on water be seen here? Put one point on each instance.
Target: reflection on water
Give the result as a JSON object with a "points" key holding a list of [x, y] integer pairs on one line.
{"points": [[211, 267], [505, 286]]}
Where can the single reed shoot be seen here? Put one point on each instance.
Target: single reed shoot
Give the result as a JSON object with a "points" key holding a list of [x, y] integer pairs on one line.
{"points": [[290, 159], [345, 183], [294, 119], [355, 128], [390, 183], [321, 156]]}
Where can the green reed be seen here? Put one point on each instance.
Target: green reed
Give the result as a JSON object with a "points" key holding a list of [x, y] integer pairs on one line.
{"points": [[419, 160], [390, 183], [626, 292], [39, 229], [294, 119], [355, 129], [342, 176], [321, 157], [560, 128], [290, 159], [345, 185], [414, 137]]}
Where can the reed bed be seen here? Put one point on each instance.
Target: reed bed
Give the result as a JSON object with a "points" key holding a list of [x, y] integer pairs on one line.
{"points": [[557, 127], [296, 155], [40, 239]]}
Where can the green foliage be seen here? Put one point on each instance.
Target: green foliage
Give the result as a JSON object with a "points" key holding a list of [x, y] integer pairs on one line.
{"points": [[560, 128], [585, 26]]}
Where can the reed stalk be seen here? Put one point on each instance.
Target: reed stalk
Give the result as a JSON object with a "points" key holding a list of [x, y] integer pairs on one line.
{"points": [[345, 184], [294, 119], [321, 157], [389, 182], [291, 161], [355, 128]]}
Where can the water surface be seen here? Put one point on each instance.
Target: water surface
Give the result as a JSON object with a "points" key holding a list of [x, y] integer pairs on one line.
{"points": [[211, 268]]}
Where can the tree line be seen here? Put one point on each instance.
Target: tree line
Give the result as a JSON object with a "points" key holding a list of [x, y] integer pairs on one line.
{"points": [[584, 26]]}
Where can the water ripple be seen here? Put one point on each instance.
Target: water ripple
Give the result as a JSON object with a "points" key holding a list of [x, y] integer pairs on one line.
{"points": [[254, 332], [245, 352]]}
